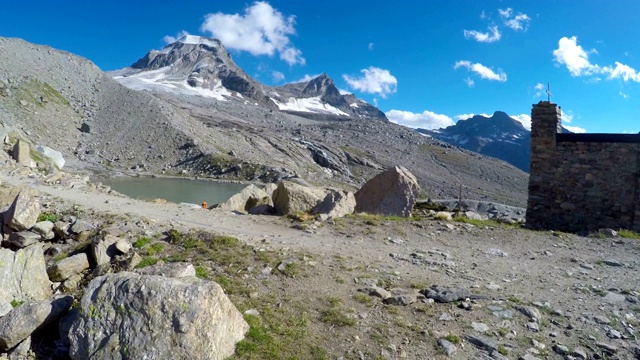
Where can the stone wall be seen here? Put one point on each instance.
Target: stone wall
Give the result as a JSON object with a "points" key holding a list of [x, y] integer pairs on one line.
{"points": [[581, 181]]}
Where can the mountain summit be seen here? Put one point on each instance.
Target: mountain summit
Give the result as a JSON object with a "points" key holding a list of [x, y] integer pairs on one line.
{"points": [[200, 66]]}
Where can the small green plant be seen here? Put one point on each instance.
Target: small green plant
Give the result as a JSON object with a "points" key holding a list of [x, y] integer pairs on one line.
{"points": [[155, 248], [46, 216], [335, 317], [334, 301], [340, 280], [363, 299], [15, 303], [454, 339], [503, 332], [503, 350], [140, 243], [147, 261], [291, 269], [202, 272], [628, 234]]}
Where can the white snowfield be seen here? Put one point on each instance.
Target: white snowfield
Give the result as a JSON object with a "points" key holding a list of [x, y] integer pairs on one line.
{"points": [[158, 80], [311, 105]]}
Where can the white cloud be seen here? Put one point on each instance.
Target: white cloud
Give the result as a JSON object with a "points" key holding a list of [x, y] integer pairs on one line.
{"points": [[524, 119], [373, 81], [567, 116], [519, 22], [488, 37], [277, 76], [483, 15], [575, 129], [469, 81], [261, 30], [625, 96], [469, 116], [623, 71], [573, 56], [425, 120], [168, 39], [539, 90], [370, 46], [483, 71]]}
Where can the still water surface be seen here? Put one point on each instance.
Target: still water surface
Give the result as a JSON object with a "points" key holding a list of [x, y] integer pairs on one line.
{"points": [[174, 190]]}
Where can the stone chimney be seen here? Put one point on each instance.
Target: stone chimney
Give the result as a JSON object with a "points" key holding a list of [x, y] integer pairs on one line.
{"points": [[545, 124]]}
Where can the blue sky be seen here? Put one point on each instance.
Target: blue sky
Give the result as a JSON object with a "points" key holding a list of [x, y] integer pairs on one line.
{"points": [[425, 63]]}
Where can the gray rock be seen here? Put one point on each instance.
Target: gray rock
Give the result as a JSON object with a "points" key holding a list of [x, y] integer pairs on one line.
{"points": [[376, 291], [560, 349], [580, 353], [62, 229], [23, 213], [482, 343], [123, 246], [22, 153], [290, 198], [402, 300], [248, 198], [22, 321], [45, 229], [612, 262], [446, 317], [22, 276], [155, 317], [449, 347], [262, 210], [444, 294], [608, 233], [102, 250], [609, 348], [532, 313], [23, 239], [601, 319], [533, 326], [81, 225], [614, 298], [55, 156], [21, 352], [64, 268], [336, 204], [496, 252], [392, 192], [479, 327]]}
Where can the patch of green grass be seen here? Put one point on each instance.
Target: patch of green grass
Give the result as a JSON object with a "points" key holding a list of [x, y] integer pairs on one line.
{"points": [[336, 317], [340, 280], [628, 234], [503, 350], [46, 216], [15, 303], [147, 261], [363, 299], [454, 339], [334, 301], [140, 243], [155, 248], [202, 272], [375, 219], [489, 222], [291, 269]]}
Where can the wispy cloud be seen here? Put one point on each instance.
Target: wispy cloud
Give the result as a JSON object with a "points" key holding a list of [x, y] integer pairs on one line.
{"points": [[424, 120], [576, 59], [575, 129], [469, 81], [524, 119], [624, 96], [469, 116], [374, 80], [171, 39], [370, 46], [491, 36], [483, 71], [261, 30], [277, 76], [517, 22]]}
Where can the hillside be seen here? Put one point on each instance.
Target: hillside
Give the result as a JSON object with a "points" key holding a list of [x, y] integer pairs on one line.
{"points": [[65, 102]]}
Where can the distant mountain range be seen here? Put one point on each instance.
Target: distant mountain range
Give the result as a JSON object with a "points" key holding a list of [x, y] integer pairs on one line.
{"points": [[499, 136], [196, 65]]}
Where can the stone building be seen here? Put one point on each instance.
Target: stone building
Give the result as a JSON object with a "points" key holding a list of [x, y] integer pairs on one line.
{"points": [[581, 181]]}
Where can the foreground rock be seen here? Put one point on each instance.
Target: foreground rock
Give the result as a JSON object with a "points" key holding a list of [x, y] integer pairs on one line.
{"points": [[290, 197], [134, 316], [23, 276], [23, 213], [392, 192]]}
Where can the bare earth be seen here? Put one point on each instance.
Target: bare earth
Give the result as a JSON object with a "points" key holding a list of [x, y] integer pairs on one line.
{"points": [[585, 288]]}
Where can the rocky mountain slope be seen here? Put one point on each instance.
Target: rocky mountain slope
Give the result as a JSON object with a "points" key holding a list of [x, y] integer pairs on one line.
{"points": [[499, 136], [60, 100]]}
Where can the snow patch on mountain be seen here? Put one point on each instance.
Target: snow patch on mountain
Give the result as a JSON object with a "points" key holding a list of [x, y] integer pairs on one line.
{"points": [[311, 105]]}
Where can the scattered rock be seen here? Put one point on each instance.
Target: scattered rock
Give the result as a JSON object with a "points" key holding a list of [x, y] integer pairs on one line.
{"points": [[402, 300], [64, 268], [480, 327], [23, 239], [23, 213], [245, 200], [444, 294], [290, 197], [102, 250], [45, 229], [449, 347], [392, 192], [614, 298], [22, 153], [482, 343], [336, 204]]}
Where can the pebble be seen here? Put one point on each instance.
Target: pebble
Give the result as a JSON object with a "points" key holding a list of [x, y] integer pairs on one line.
{"points": [[560, 349], [446, 317]]}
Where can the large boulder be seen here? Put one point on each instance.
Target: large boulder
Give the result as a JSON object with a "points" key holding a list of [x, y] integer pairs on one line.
{"points": [[24, 211], [392, 192], [103, 249], [21, 153], [290, 197], [127, 315], [336, 204], [248, 198], [24, 320], [23, 276], [54, 155], [23, 239]]}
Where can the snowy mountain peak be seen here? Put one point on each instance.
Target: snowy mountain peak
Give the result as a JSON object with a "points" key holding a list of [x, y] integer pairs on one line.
{"points": [[199, 40]]}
